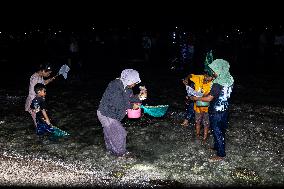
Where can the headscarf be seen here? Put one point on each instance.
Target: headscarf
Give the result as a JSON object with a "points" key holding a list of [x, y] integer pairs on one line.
{"points": [[221, 68], [129, 77]]}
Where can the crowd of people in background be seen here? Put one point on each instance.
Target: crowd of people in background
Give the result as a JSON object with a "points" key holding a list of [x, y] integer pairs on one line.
{"points": [[177, 48]]}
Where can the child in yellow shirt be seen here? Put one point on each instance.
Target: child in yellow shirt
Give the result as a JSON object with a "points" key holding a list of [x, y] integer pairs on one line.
{"points": [[202, 83]]}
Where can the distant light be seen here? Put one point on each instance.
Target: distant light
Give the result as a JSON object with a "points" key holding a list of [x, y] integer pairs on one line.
{"points": [[238, 30], [227, 36], [55, 33], [25, 33], [93, 28], [59, 31], [0, 32], [176, 27]]}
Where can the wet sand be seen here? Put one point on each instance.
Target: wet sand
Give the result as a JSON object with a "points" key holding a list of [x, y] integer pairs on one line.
{"points": [[167, 154]]}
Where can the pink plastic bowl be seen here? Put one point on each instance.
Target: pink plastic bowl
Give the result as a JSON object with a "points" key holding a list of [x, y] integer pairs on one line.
{"points": [[131, 113]]}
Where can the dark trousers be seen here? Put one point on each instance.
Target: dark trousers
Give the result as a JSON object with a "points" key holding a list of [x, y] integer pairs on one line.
{"points": [[218, 124], [189, 111]]}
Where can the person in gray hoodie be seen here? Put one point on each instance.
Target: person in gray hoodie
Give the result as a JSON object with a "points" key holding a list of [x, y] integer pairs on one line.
{"points": [[117, 98]]}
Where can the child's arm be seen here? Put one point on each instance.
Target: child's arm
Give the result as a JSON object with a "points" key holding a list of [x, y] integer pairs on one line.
{"points": [[45, 117], [206, 98], [214, 92]]}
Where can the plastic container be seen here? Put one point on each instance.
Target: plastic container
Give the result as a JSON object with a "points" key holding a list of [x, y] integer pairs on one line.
{"points": [[201, 103], [131, 113], [155, 111]]}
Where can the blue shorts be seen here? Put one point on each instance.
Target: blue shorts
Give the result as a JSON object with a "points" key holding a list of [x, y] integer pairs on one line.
{"points": [[42, 128]]}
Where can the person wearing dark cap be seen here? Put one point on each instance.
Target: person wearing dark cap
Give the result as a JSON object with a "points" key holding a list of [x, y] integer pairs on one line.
{"points": [[38, 77]]}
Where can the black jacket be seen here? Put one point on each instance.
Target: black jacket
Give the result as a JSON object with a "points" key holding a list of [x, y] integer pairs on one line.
{"points": [[116, 100]]}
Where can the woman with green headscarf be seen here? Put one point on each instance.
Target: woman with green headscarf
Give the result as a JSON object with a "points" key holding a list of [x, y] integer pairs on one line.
{"points": [[219, 103]]}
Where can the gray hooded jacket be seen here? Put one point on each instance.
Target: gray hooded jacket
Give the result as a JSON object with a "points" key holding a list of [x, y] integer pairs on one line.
{"points": [[117, 97]]}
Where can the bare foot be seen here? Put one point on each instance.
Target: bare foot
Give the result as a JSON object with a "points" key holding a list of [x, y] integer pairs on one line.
{"points": [[216, 158], [128, 155], [198, 137], [185, 123]]}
